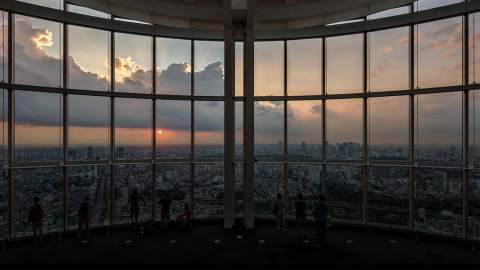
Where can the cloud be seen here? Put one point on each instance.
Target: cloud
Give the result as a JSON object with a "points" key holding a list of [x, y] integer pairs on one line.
{"points": [[43, 38], [268, 119], [403, 40], [440, 35], [317, 109], [387, 49], [377, 71], [34, 66], [175, 79], [273, 109], [125, 68], [210, 80]]}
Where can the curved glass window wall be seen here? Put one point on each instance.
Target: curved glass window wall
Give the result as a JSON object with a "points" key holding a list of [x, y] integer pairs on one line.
{"points": [[384, 123]]}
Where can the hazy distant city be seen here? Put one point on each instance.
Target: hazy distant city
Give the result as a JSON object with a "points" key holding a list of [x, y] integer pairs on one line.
{"points": [[438, 192]]}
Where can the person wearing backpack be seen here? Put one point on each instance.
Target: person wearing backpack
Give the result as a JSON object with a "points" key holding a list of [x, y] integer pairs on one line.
{"points": [[36, 218]]}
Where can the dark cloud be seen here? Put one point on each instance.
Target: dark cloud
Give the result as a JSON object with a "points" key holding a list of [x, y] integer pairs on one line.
{"points": [[209, 116], [80, 79], [317, 109], [269, 117], [33, 66], [174, 115], [174, 80]]}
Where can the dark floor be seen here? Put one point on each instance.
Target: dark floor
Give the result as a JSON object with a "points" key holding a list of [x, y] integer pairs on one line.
{"points": [[343, 246]]}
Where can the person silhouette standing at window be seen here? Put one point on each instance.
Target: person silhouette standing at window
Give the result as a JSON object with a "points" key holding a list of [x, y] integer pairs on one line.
{"points": [[321, 217], [36, 218], [165, 210], [134, 203], [279, 211], [84, 220], [185, 219], [300, 206]]}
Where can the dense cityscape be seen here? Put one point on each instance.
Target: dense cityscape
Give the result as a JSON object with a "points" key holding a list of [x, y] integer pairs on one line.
{"points": [[438, 191]]}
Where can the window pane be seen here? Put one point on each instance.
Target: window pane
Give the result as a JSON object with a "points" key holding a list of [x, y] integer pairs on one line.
{"points": [[133, 128], [38, 52], [345, 192], [389, 60], [345, 64], [56, 4], [439, 127], [268, 68], [4, 126], [89, 129], [4, 43], [209, 126], [47, 185], [429, 4], [388, 196], [474, 47], [269, 129], [208, 190], [87, 11], [388, 128], [209, 61], [438, 201], [89, 61], [38, 126], [174, 66], [239, 130], [438, 53], [175, 180], [344, 129], [268, 183], [474, 129], [303, 179], [92, 182], [305, 130], [389, 13], [133, 63], [127, 178], [304, 67], [239, 68], [173, 129], [4, 204], [473, 204]]}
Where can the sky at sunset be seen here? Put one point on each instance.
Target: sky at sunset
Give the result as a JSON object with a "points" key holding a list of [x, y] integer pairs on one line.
{"points": [[438, 62]]}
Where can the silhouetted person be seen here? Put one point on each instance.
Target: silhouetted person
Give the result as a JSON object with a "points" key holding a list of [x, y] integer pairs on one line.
{"points": [[300, 206], [321, 215], [185, 218], [165, 210], [279, 211], [134, 203], [36, 218], [84, 219]]}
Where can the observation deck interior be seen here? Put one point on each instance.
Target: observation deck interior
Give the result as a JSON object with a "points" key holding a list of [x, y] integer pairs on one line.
{"points": [[225, 104]]}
